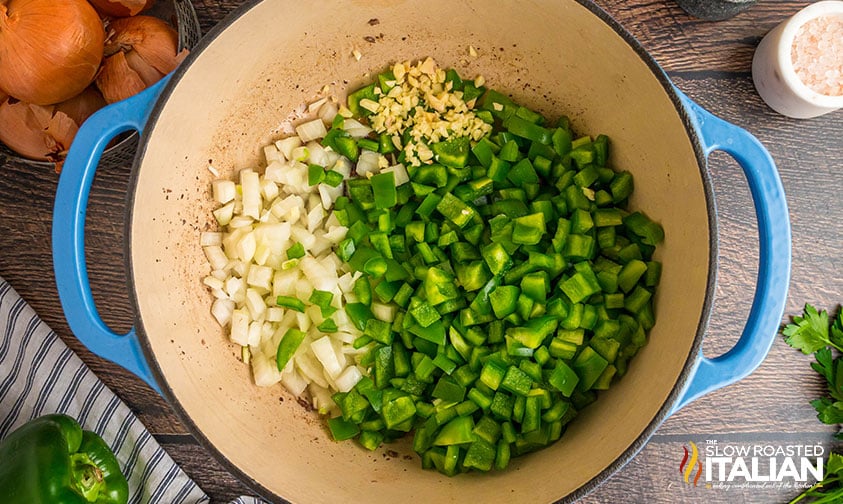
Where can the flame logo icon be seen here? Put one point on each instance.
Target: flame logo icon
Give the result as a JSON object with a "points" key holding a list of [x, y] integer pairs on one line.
{"points": [[686, 467]]}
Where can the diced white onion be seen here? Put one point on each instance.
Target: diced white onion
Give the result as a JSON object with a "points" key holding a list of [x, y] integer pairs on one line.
{"points": [[303, 236], [208, 238], [313, 201], [240, 221], [255, 304], [348, 379], [318, 154], [311, 130], [240, 326], [284, 282], [246, 247], [332, 221], [311, 369], [255, 332], [314, 218], [213, 282], [235, 288], [303, 320], [321, 399], [293, 382], [269, 190], [334, 264], [216, 257], [346, 282], [401, 175], [327, 195], [270, 153], [328, 111], [224, 190], [274, 314], [300, 153], [331, 157], [250, 185], [274, 171], [336, 234], [324, 352], [222, 309], [345, 337], [260, 276], [276, 236], [320, 244], [265, 371], [315, 106], [260, 219], [224, 214], [356, 129], [383, 312], [343, 167], [367, 163], [286, 146]]}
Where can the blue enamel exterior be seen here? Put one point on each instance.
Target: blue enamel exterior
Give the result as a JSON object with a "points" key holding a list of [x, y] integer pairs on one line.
{"points": [[69, 231], [774, 251]]}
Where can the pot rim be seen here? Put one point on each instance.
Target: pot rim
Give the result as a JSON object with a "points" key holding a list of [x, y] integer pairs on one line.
{"points": [[691, 360]]}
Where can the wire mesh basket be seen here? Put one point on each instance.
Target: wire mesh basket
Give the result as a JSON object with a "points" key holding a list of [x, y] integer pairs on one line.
{"points": [[180, 14]]}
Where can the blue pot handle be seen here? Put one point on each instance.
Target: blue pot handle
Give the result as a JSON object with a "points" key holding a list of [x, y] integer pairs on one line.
{"points": [[69, 231], [765, 316]]}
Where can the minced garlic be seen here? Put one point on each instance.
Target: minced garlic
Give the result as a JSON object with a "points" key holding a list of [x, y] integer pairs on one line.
{"points": [[420, 100]]}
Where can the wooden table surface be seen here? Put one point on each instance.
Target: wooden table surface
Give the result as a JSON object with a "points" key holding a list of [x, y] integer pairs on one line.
{"points": [[709, 61]]}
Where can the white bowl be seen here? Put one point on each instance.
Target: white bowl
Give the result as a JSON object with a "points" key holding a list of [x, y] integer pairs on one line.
{"points": [[774, 74]]}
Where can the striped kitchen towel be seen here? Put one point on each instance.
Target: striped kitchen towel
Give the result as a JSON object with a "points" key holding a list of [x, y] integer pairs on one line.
{"points": [[39, 374]]}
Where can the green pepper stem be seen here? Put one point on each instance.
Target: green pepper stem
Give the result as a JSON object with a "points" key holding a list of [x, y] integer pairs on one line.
{"points": [[87, 477]]}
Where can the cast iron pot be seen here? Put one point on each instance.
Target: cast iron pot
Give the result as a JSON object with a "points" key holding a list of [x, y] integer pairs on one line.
{"points": [[556, 56]]}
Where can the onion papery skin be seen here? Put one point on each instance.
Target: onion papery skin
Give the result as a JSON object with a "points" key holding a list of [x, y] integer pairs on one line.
{"points": [[34, 131], [49, 50], [45, 132], [82, 106], [139, 52]]}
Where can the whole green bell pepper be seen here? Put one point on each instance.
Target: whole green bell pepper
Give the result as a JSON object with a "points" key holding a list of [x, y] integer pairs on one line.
{"points": [[51, 460]]}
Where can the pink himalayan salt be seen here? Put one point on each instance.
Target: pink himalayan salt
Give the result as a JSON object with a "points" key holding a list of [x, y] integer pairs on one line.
{"points": [[817, 55]]}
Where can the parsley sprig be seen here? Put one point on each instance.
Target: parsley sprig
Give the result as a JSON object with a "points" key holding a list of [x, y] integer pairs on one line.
{"points": [[816, 333], [811, 333]]}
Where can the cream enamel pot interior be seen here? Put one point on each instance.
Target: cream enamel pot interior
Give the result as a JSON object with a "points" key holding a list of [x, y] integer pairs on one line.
{"points": [[556, 56]]}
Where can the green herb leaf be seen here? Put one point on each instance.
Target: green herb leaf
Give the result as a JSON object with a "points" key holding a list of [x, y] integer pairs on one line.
{"points": [[828, 412], [835, 386], [834, 464], [832, 370], [837, 329], [809, 333], [824, 364]]}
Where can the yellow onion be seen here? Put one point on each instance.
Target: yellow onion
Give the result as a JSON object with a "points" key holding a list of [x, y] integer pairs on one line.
{"points": [[49, 51], [121, 8], [44, 133], [81, 106], [139, 51]]}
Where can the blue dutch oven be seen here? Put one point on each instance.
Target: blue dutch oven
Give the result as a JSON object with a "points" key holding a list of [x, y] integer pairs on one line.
{"points": [[266, 59]]}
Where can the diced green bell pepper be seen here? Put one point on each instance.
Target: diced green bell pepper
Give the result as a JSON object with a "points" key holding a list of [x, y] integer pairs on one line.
{"points": [[290, 342]]}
